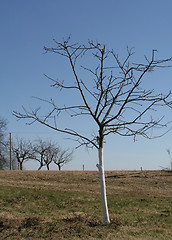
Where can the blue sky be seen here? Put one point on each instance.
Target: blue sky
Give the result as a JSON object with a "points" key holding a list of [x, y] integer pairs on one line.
{"points": [[27, 25]]}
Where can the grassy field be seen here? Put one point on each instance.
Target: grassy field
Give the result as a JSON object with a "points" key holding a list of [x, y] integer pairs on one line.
{"points": [[66, 205]]}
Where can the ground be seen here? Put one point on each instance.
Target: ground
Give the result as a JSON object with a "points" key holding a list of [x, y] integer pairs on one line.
{"points": [[66, 205]]}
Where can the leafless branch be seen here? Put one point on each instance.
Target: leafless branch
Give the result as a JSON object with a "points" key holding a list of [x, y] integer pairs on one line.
{"points": [[114, 99]]}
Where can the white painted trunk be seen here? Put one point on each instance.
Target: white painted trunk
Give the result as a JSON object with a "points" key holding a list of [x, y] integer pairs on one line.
{"points": [[100, 167]]}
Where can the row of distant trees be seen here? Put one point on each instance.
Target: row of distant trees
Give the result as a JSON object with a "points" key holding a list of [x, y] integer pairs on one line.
{"points": [[43, 152]]}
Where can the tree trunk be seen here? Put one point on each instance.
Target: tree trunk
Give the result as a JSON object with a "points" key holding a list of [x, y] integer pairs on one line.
{"points": [[100, 167], [21, 166], [40, 167], [59, 166], [48, 167]]}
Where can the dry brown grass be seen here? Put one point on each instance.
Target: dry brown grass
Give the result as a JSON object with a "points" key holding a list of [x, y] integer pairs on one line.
{"points": [[132, 183]]}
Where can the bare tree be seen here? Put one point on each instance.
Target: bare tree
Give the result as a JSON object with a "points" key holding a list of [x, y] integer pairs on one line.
{"points": [[3, 144], [22, 151], [112, 94], [62, 157], [50, 154], [3, 160], [3, 125], [40, 153]]}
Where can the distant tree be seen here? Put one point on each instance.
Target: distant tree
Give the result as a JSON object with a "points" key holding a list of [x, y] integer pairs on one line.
{"points": [[22, 151], [3, 125], [62, 157], [46, 152], [50, 154], [3, 161], [40, 153], [3, 144], [111, 93]]}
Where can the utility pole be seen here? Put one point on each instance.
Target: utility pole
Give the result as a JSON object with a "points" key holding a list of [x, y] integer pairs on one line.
{"points": [[10, 153]]}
